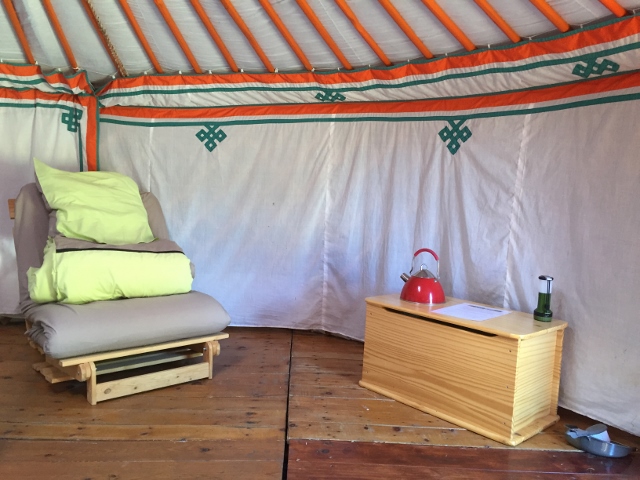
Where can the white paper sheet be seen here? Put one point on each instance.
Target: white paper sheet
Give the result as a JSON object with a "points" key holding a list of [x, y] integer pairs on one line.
{"points": [[468, 311]]}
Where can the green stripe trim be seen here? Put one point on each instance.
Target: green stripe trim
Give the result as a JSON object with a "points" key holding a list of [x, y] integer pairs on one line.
{"points": [[453, 97], [439, 79], [222, 123]]}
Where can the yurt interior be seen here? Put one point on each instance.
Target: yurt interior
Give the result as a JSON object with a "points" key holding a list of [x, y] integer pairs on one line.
{"points": [[319, 239]]}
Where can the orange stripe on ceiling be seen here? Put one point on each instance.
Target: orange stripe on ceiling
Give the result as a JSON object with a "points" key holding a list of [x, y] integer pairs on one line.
{"points": [[615, 7], [164, 11], [247, 33], [214, 34], [576, 40], [141, 38], [108, 46], [17, 28], [589, 87], [363, 32], [53, 18], [551, 14], [404, 26], [315, 21], [449, 24], [498, 20], [285, 33]]}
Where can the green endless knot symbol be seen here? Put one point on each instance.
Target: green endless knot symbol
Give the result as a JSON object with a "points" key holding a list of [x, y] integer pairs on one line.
{"points": [[71, 119], [329, 96], [592, 67], [455, 135], [209, 135]]}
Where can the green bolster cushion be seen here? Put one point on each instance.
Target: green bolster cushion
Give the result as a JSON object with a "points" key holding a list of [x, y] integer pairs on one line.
{"points": [[83, 276], [99, 207]]}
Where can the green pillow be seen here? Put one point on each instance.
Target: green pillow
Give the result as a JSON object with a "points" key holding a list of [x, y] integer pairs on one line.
{"points": [[100, 207]]}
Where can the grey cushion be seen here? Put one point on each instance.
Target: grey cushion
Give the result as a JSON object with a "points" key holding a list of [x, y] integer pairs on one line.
{"points": [[64, 330]]}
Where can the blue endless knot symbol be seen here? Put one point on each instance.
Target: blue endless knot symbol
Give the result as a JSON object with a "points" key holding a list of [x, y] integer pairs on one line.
{"points": [[209, 135], [329, 96], [592, 67], [71, 118], [455, 135]]}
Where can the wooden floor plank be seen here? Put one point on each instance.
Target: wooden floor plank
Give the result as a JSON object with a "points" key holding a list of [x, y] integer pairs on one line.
{"points": [[157, 470], [321, 459], [251, 448]]}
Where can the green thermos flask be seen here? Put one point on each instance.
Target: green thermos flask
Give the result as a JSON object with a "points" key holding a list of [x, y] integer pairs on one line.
{"points": [[543, 311]]}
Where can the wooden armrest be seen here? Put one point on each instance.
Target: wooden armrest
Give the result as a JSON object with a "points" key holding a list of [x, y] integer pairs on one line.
{"points": [[12, 208]]}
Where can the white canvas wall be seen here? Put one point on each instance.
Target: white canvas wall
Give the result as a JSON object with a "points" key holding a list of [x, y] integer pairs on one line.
{"points": [[293, 225], [27, 131]]}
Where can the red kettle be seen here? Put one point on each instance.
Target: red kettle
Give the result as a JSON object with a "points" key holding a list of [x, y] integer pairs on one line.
{"points": [[423, 286]]}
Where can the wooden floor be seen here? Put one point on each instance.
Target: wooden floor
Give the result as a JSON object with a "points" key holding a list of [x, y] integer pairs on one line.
{"points": [[282, 404]]}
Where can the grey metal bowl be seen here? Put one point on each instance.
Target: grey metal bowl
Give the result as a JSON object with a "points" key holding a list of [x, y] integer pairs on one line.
{"points": [[579, 439]]}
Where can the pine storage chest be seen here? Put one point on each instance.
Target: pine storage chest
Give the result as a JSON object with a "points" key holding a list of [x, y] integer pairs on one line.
{"points": [[499, 377]]}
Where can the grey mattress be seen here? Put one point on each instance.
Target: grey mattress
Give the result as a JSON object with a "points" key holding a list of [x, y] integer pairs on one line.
{"points": [[70, 330], [63, 330]]}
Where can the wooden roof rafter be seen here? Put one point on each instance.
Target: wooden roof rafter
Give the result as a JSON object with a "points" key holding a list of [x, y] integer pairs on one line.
{"points": [[17, 28], [404, 26], [553, 16], [498, 20], [164, 11], [104, 38], [247, 33], [449, 24], [614, 7], [363, 32], [275, 18], [213, 33], [141, 38], [57, 28], [317, 24]]}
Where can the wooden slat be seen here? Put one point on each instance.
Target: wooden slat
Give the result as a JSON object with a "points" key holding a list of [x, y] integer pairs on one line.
{"points": [[247, 33], [449, 24], [17, 28], [498, 20], [317, 24], [363, 32], [96, 357], [55, 23], [206, 21], [615, 7], [404, 26], [177, 34], [124, 4], [284, 31], [553, 16]]}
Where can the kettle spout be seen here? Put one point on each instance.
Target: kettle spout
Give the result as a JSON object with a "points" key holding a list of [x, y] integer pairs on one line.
{"points": [[404, 277]]}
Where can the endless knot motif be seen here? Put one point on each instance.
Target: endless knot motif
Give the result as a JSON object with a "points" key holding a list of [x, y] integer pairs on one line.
{"points": [[592, 67], [455, 135], [329, 96], [209, 135], [71, 118]]}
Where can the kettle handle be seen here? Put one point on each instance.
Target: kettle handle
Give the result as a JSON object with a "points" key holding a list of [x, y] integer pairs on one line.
{"points": [[422, 250]]}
